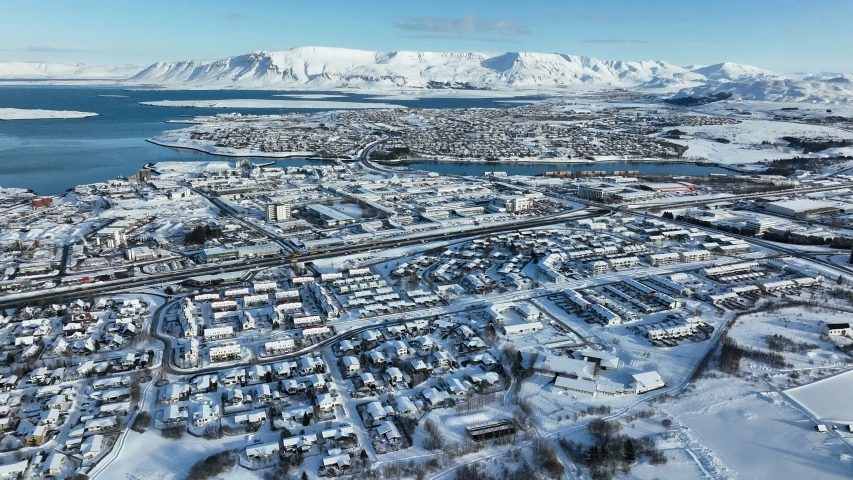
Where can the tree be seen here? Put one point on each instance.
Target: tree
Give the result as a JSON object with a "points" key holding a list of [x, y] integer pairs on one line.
{"points": [[306, 419], [840, 280], [304, 475], [629, 451]]}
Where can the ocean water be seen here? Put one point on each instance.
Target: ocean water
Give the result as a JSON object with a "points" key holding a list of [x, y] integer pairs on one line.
{"points": [[51, 156]]}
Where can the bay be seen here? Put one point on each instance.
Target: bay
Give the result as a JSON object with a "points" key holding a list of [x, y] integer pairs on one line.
{"points": [[51, 156]]}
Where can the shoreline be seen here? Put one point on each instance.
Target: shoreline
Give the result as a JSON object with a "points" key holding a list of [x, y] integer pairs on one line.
{"points": [[281, 156], [403, 163]]}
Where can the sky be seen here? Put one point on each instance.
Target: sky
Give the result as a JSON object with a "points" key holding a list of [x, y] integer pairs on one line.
{"points": [[780, 35]]}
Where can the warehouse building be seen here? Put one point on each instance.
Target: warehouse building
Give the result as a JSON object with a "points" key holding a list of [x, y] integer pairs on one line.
{"points": [[801, 208]]}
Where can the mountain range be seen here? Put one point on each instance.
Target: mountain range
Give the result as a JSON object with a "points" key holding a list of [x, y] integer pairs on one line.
{"points": [[330, 68]]}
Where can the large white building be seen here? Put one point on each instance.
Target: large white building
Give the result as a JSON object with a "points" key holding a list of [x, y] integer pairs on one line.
{"points": [[513, 203], [277, 212], [224, 353], [800, 207]]}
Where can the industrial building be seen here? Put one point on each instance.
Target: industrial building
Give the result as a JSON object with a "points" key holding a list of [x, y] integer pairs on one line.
{"points": [[800, 208]]}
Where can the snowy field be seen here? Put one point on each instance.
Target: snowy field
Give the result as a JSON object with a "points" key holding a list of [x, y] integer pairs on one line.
{"points": [[311, 96], [35, 114], [827, 399], [798, 324], [272, 104], [150, 456], [748, 434], [746, 138]]}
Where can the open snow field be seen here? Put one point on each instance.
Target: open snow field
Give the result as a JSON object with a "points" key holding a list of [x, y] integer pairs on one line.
{"points": [[311, 96], [151, 456], [746, 138], [827, 399], [35, 114], [272, 104], [795, 323], [754, 435]]}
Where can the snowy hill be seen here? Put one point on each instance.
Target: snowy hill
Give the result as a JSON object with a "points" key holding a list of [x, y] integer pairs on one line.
{"points": [[327, 68], [336, 67], [32, 70]]}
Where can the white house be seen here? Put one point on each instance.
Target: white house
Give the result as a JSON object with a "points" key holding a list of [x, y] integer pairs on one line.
{"points": [[646, 381], [837, 329]]}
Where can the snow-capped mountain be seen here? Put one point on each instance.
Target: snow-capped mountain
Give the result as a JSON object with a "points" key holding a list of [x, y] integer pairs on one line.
{"points": [[336, 68], [330, 68], [33, 70]]}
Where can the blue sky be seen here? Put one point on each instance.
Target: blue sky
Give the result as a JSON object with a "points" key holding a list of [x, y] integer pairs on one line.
{"points": [[782, 35]]}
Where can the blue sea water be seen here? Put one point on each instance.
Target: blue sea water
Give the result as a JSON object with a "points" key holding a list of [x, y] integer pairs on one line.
{"points": [[51, 156]]}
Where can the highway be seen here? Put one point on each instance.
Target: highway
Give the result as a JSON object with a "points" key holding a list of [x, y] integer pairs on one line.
{"points": [[746, 196], [120, 285]]}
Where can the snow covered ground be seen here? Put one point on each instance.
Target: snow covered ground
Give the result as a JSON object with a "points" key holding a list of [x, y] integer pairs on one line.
{"points": [[311, 96], [35, 114], [272, 104], [827, 399], [745, 140], [746, 433]]}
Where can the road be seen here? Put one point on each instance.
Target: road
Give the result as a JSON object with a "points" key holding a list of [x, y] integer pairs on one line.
{"points": [[791, 191], [121, 285]]}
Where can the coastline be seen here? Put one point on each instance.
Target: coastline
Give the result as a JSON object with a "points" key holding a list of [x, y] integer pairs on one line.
{"points": [[404, 163], [282, 155]]}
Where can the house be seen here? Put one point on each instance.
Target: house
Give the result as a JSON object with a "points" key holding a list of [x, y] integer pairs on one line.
{"points": [[58, 402], [483, 380], [425, 343], [399, 348], [14, 470], [405, 405], [205, 415], [346, 347], [435, 398], [203, 383], [837, 329], [327, 402], [263, 393], [440, 359], [376, 357], [99, 424], [350, 365], [388, 430], [92, 446], [174, 393], [419, 366], [253, 418], [341, 433], [367, 380], [338, 460], [309, 365], [234, 396], [393, 375], [173, 414], [258, 373], [263, 451], [646, 381], [301, 443], [375, 411], [458, 387], [53, 464], [233, 376], [37, 437], [49, 418]]}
